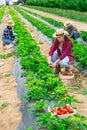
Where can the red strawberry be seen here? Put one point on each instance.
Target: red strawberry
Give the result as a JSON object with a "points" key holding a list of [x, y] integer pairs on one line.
{"points": [[64, 111], [52, 111], [65, 107], [70, 111], [59, 113], [59, 109]]}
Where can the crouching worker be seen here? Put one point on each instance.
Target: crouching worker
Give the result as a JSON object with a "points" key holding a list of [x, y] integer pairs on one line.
{"points": [[60, 53], [8, 36], [73, 32]]}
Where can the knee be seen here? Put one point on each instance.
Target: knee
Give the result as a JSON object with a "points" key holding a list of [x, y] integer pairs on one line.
{"points": [[65, 64]]}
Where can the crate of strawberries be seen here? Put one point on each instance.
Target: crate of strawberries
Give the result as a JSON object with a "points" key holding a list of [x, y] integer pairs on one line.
{"points": [[62, 111]]}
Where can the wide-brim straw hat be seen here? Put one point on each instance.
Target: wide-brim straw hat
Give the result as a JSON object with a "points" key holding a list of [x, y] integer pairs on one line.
{"points": [[60, 32], [67, 23], [10, 23]]}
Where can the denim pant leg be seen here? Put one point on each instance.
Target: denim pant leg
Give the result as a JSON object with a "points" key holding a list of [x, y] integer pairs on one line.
{"points": [[75, 35], [64, 62], [7, 41], [54, 57]]}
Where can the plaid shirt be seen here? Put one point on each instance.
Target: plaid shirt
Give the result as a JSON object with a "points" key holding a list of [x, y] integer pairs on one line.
{"points": [[8, 34]]}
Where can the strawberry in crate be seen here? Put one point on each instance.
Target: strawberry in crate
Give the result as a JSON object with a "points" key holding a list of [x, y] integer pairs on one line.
{"points": [[62, 111]]}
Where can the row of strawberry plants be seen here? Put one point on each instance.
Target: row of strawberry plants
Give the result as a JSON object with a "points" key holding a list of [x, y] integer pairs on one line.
{"points": [[80, 56], [44, 87], [2, 10], [76, 15], [83, 34], [50, 20]]}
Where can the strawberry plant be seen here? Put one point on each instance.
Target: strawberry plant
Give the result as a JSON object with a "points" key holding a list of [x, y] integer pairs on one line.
{"points": [[2, 10], [49, 32], [49, 122], [83, 34], [39, 84], [54, 22]]}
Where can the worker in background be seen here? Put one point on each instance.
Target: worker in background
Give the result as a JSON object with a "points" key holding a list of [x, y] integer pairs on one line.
{"points": [[9, 36], [72, 31]]}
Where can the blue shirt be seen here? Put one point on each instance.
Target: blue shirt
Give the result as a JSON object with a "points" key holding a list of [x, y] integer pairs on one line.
{"points": [[8, 33]]}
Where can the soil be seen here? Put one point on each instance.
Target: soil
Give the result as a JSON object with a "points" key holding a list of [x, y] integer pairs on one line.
{"points": [[79, 25], [9, 103], [76, 85]]}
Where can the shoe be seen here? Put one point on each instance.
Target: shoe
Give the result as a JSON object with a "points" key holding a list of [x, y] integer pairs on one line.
{"points": [[4, 45], [57, 69]]}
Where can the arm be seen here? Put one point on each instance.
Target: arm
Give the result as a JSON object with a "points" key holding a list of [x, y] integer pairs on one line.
{"points": [[53, 48], [49, 61], [5, 33]]}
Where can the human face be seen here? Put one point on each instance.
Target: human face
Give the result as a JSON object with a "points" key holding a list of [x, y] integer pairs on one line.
{"points": [[68, 25], [60, 38]]}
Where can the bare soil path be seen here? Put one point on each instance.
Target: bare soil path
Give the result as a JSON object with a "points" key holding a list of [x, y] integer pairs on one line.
{"points": [[77, 84], [9, 103], [78, 24]]}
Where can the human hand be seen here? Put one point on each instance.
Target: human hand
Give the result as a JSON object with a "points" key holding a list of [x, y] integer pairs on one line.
{"points": [[54, 65]]}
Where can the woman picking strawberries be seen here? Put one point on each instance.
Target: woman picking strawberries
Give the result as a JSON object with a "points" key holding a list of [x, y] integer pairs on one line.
{"points": [[60, 53]]}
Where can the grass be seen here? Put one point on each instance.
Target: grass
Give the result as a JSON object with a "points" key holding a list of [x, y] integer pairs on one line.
{"points": [[30, 128], [41, 43], [7, 75], [79, 16], [84, 92], [5, 104], [5, 56]]}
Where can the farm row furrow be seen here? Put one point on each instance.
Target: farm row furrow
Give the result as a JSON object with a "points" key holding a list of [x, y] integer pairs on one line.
{"points": [[57, 24], [43, 86], [80, 56]]}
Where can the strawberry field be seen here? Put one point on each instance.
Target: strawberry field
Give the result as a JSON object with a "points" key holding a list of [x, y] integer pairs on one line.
{"points": [[47, 102]]}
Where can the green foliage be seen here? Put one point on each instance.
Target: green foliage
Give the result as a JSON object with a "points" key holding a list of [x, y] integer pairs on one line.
{"points": [[84, 92], [5, 104], [2, 11], [50, 122], [79, 16], [80, 56], [54, 22], [42, 84], [40, 25], [83, 34], [79, 5], [5, 56], [30, 128]]}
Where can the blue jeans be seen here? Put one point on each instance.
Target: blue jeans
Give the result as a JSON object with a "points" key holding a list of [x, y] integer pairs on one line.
{"points": [[75, 35], [64, 62], [8, 41]]}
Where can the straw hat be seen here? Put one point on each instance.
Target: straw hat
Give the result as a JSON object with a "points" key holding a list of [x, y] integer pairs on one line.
{"points": [[60, 32], [67, 23], [10, 23]]}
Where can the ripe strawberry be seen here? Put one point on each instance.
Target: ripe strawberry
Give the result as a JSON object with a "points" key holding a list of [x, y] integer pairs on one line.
{"points": [[59, 109], [64, 111], [59, 113], [70, 111], [52, 111], [65, 107]]}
